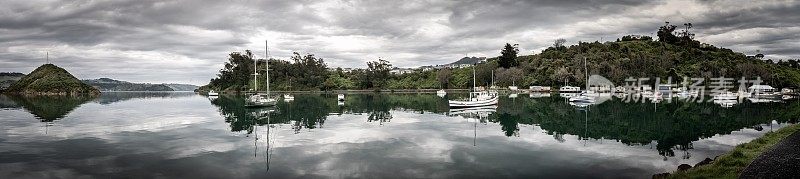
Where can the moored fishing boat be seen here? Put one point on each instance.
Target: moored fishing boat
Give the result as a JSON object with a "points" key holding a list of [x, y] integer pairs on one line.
{"points": [[476, 98]]}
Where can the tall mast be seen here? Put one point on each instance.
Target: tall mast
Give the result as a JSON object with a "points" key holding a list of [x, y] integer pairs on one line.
{"points": [[255, 75], [266, 52], [473, 77], [492, 84], [47, 56], [585, 69]]}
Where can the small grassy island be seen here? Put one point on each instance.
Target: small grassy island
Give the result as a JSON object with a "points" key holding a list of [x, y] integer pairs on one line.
{"points": [[50, 79]]}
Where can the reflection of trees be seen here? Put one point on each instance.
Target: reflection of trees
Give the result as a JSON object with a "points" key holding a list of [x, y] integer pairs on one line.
{"points": [[50, 108], [239, 117], [380, 116], [508, 122], [420, 103], [113, 97], [674, 125], [378, 106], [306, 111], [311, 111], [6, 102]]}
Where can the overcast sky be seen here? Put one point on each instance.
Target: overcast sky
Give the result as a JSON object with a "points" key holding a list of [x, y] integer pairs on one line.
{"points": [[188, 41]]}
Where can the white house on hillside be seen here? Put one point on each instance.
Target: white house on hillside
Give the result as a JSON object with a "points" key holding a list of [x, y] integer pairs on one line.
{"points": [[400, 71]]}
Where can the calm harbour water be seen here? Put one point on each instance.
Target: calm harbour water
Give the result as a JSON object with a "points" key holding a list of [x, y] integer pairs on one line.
{"points": [[184, 135]]}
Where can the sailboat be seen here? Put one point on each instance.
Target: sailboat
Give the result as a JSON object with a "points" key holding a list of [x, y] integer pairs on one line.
{"points": [[258, 99], [585, 97], [514, 90], [476, 98], [288, 97], [340, 97]]}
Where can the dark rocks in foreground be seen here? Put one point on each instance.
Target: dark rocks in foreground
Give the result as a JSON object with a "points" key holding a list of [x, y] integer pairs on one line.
{"points": [[684, 167], [704, 162]]}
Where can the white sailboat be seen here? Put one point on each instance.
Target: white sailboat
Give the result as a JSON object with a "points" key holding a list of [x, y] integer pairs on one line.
{"points": [[585, 97], [476, 98], [288, 96], [340, 97], [258, 99], [441, 92]]}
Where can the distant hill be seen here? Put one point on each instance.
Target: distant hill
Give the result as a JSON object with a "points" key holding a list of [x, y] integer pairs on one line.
{"points": [[108, 84], [182, 87], [468, 60], [6, 79], [50, 79]]}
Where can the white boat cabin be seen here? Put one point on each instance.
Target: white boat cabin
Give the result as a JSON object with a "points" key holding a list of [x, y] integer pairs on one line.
{"points": [[569, 89]]}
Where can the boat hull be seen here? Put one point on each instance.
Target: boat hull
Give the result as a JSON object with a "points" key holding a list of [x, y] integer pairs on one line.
{"points": [[465, 104], [260, 104]]}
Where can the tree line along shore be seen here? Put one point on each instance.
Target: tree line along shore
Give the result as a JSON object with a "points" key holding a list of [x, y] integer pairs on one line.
{"points": [[675, 53]]}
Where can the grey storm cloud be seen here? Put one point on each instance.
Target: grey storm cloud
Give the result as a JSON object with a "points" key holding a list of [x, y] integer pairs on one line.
{"points": [[188, 41]]}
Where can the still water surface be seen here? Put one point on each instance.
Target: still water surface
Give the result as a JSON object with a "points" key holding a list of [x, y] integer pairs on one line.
{"points": [[184, 135]]}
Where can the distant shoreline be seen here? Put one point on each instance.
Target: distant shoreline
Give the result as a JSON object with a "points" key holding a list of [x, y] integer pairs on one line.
{"points": [[347, 91], [145, 91]]}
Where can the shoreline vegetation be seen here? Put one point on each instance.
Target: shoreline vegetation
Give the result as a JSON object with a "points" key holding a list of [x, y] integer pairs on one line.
{"points": [[349, 91], [674, 54], [732, 163]]}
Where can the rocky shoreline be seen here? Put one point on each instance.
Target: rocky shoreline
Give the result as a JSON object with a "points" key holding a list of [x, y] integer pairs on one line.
{"points": [[684, 167]]}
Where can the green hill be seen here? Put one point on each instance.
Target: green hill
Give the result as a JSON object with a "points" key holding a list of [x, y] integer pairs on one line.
{"points": [[674, 55], [49, 79], [108, 84]]}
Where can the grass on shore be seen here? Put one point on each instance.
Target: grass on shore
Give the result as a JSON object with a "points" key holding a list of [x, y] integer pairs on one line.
{"points": [[730, 164]]}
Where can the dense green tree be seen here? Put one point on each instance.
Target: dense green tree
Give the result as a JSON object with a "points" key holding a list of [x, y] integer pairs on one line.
{"points": [[236, 73], [559, 43], [378, 73], [336, 81], [666, 33], [310, 72], [444, 76], [508, 77], [508, 56]]}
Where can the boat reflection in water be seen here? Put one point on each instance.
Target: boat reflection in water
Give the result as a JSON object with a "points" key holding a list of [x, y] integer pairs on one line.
{"points": [[477, 114], [262, 115]]}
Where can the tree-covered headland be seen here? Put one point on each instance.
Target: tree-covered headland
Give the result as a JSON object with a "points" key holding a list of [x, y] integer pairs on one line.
{"points": [[674, 53]]}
